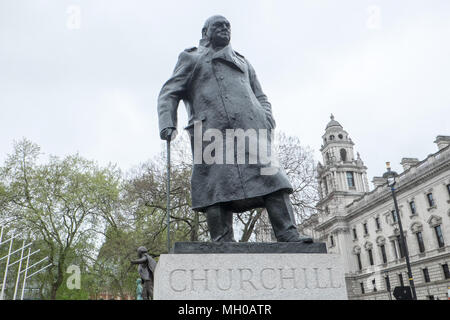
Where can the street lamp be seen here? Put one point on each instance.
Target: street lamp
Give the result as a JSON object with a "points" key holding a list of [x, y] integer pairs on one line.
{"points": [[390, 176], [388, 283]]}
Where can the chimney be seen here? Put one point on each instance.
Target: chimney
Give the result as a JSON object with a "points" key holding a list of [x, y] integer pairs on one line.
{"points": [[378, 181], [442, 141], [408, 163]]}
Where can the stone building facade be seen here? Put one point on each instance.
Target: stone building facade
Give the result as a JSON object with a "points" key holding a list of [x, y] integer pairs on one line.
{"points": [[361, 224]]}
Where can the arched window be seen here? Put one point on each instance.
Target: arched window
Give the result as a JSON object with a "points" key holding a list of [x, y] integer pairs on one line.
{"points": [[329, 158], [350, 180], [325, 185], [343, 155], [357, 253]]}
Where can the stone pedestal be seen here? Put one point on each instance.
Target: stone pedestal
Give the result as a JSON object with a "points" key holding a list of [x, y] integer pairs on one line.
{"points": [[261, 273]]}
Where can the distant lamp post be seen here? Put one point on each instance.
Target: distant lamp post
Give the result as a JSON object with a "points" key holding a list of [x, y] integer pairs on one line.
{"points": [[388, 283], [391, 176]]}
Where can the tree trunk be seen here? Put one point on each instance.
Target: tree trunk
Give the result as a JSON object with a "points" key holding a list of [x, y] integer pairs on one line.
{"points": [[248, 230], [59, 280]]}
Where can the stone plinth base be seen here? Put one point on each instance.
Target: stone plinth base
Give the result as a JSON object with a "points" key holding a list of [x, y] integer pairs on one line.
{"points": [[250, 276], [248, 247]]}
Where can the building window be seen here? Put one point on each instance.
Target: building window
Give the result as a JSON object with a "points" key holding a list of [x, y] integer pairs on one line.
{"points": [[325, 185], [448, 189], [420, 242], [412, 206], [400, 280], [355, 235], [374, 285], [350, 180], [358, 258], [388, 283], [446, 271], [394, 249], [394, 216], [343, 155], [426, 275], [377, 223], [439, 236], [329, 159], [430, 198], [369, 252], [366, 231], [332, 241], [400, 247], [362, 287], [383, 253]]}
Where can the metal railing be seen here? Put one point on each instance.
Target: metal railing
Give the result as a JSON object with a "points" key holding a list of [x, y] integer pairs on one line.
{"points": [[20, 260]]}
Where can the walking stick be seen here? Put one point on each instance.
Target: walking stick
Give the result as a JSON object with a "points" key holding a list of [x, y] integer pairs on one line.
{"points": [[168, 194]]}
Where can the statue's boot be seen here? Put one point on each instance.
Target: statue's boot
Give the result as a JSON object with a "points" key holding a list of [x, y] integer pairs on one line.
{"points": [[281, 216], [220, 223]]}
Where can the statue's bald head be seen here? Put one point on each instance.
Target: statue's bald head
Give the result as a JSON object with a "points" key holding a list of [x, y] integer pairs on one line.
{"points": [[216, 31], [141, 251], [210, 21]]}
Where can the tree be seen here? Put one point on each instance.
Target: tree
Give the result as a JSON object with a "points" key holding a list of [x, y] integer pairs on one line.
{"points": [[69, 206], [298, 164], [61, 202], [142, 218], [147, 188], [112, 270], [146, 191]]}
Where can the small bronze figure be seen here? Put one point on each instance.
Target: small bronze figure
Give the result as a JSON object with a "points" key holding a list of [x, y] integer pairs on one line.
{"points": [[139, 289], [146, 270]]}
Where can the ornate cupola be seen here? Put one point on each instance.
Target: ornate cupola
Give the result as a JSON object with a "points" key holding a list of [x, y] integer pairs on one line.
{"points": [[337, 145], [341, 177]]}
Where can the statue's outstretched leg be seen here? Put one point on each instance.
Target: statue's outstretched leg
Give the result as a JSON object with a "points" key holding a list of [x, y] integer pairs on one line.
{"points": [[145, 293], [149, 289], [220, 223], [281, 216]]}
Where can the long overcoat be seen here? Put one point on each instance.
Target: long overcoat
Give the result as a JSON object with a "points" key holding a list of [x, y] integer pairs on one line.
{"points": [[146, 269], [221, 91]]}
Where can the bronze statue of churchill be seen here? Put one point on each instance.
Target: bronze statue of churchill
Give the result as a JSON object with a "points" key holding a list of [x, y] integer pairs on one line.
{"points": [[220, 90]]}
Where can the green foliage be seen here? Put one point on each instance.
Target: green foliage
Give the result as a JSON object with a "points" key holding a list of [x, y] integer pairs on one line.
{"points": [[85, 292], [78, 213], [62, 203]]}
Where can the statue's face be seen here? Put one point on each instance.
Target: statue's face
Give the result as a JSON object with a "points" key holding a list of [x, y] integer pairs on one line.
{"points": [[141, 251], [219, 32]]}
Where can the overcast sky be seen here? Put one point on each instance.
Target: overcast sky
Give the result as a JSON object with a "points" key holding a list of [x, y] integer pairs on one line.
{"points": [[84, 75]]}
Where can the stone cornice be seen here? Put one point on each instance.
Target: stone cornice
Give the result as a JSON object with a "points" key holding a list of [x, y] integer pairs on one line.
{"points": [[336, 143], [331, 221], [334, 193], [340, 167], [407, 180]]}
